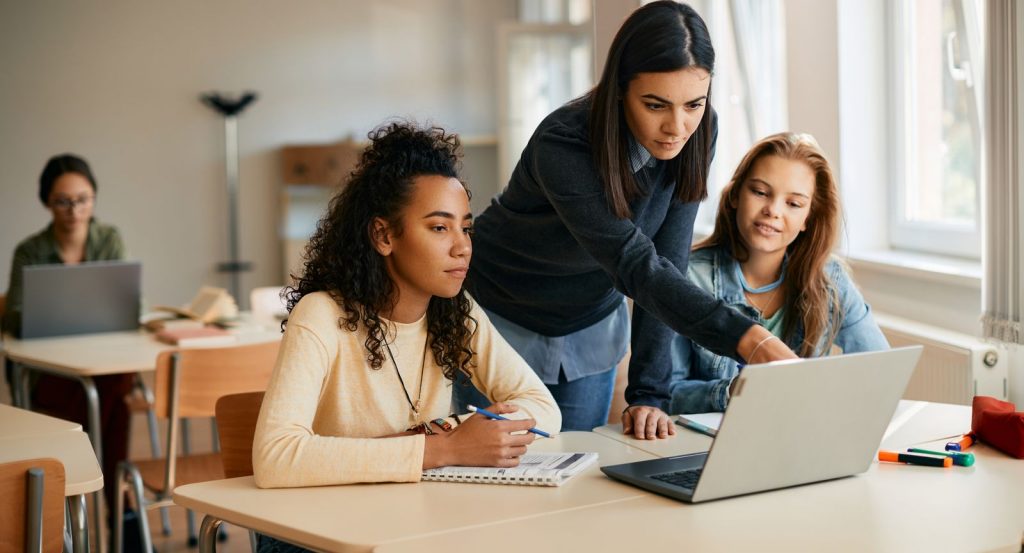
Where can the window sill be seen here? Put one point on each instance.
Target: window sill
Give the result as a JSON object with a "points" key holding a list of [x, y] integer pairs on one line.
{"points": [[919, 266]]}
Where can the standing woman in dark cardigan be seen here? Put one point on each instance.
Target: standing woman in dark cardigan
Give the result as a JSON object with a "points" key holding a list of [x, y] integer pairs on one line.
{"points": [[601, 206]]}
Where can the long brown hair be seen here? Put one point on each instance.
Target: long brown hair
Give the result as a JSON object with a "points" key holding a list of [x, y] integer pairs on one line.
{"points": [[811, 297], [659, 37]]}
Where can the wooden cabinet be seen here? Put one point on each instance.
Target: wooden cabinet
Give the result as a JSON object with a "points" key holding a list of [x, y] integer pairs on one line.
{"points": [[312, 173], [321, 165]]}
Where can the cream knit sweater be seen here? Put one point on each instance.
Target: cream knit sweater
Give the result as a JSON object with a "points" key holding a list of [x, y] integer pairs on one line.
{"points": [[326, 409]]}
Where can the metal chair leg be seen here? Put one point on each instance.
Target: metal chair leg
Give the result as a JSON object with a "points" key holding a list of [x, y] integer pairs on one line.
{"points": [[79, 524], [209, 534], [140, 500], [154, 443], [165, 521], [68, 545], [117, 540], [34, 530], [154, 432], [190, 520]]}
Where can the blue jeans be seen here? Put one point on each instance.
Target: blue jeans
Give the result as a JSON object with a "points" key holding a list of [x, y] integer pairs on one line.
{"points": [[584, 402]]}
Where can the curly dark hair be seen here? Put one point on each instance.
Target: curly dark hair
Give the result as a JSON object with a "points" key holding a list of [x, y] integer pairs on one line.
{"points": [[340, 258]]}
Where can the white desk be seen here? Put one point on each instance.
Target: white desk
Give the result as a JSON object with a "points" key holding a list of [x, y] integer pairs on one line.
{"points": [[82, 473], [85, 356], [684, 442], [358, 517], [16, 422], [891, 507]]}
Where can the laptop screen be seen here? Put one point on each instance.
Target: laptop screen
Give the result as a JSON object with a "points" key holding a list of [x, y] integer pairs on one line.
{"points": [[101, 296]]}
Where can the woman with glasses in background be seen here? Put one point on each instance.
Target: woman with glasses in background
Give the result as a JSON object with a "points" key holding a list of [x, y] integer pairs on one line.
{"points": [[67, 189]]}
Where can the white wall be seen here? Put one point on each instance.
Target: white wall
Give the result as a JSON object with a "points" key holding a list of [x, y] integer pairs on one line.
{"points": [[812, 63], [118, 83]]}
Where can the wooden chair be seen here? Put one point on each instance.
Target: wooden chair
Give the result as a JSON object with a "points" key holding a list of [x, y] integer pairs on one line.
{"points": [[236, 423], [188, 384], [32, 506]]}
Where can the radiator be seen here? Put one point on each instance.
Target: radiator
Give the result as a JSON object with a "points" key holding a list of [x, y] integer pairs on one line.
{"points": [[954, 367]]}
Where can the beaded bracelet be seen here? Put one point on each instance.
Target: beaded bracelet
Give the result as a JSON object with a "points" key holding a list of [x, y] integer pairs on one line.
{"points": [[443, 424]]}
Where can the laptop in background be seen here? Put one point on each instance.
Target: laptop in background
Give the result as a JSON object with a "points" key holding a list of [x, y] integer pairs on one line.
{"points": [[99, 296], [788, 423]]}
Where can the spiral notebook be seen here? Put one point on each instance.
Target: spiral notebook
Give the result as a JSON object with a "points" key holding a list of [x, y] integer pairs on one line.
{"points": [[535, 469]]}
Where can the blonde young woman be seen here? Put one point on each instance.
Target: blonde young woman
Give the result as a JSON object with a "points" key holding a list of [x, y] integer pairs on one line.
{"points": [[770, 257]]}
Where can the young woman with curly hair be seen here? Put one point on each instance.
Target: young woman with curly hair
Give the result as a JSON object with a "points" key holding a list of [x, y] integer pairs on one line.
{"points": [[770, 257], [379, 326]]}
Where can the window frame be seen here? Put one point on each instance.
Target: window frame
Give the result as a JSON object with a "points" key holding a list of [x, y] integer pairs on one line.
{"points": [[950, 239]]}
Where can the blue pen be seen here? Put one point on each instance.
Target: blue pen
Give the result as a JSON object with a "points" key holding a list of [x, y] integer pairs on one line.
{"points": [[498, 417]]}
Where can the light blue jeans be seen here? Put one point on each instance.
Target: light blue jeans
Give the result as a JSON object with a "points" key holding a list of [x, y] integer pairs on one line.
{"points": [[584, 402]]}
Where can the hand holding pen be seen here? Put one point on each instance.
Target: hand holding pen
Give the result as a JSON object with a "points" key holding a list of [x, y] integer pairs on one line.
{"points": [[481, 442], [498, 417]]}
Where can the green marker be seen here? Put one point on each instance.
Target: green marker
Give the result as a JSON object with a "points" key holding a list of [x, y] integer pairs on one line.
{"points": [[961, 459]]}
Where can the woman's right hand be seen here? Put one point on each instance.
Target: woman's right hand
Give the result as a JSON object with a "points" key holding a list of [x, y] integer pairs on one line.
{"points": [[481, 442], [760, 346]]}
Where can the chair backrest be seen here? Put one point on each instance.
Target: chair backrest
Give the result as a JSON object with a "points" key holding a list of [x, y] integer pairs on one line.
{"points": [[236, 425], [16, 505], [190, 381], [265, 303], [206, 374], [3, 304]]}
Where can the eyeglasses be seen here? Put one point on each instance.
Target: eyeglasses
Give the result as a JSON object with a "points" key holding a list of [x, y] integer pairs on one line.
{"points": [[69, 204]]}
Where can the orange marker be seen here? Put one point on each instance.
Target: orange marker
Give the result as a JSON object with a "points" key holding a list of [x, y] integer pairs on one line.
{"points": [[915, 459], [964, 443]]}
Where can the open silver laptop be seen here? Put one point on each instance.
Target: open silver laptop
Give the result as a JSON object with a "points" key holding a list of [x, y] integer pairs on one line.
{"points": [[101, 296], [788, 423]]}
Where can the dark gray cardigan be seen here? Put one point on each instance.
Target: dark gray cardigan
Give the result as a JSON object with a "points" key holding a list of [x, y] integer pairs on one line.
{"points": [[549, 255]]}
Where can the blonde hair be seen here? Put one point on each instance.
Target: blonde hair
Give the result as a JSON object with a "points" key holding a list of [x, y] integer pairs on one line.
{"points": [[810, 295]]}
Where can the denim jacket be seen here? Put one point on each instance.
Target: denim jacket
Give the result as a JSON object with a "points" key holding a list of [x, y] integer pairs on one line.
{"points": [[700, 378]]}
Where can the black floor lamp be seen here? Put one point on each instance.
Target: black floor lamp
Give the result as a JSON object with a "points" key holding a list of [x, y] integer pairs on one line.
{"points": [[230, 109]]}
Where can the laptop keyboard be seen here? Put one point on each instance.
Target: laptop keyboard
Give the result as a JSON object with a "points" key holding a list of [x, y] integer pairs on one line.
{"points": [[682, 478]]}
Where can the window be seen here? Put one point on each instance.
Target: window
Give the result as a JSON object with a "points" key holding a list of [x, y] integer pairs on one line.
{"points": [[749, 87], [937, 161], [546, 60]]}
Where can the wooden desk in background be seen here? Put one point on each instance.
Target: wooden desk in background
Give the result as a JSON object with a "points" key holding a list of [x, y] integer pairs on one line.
{"points": [[85, 356], [15, 422], [26, 435]]}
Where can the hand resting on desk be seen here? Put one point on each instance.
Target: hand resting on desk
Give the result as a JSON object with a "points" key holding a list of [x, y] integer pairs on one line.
{"points": [[647, 423]]}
